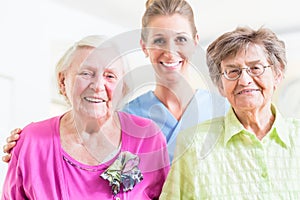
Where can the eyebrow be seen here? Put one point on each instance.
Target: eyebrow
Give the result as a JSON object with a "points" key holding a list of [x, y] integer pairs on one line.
{"points": [[254, 62], [248, 63], [163, 34], [182, 33], [157, 34], [231, 66], [87, 66]]}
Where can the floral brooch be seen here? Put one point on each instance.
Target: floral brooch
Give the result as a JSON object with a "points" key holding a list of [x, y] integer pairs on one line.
{"points": [[124, 172]]}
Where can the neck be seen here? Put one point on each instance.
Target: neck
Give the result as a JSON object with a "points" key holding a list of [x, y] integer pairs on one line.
{"points": [[258, 121], [175, 98], [89, 142]]}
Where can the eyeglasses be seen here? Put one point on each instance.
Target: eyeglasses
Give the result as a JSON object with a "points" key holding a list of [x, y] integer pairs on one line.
{"points": [[233, 73]]}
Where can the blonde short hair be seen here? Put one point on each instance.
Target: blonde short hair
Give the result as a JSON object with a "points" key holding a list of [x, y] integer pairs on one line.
{"points": [[91, 41]]}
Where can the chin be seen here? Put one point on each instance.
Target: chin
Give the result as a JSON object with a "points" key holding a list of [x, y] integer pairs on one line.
{"points": [[101, 115], [97, 114]]}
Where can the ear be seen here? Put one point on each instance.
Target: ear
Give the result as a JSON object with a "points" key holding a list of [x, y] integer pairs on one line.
{"points": [[143, 45], [197, 38], [61, 83]]}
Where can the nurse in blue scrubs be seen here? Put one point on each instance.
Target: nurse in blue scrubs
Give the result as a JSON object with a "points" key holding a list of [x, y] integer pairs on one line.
{"points": [[170, 40]]}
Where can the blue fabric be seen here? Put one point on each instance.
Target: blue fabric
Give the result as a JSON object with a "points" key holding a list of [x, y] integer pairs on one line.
{"points": [[203, 106]]}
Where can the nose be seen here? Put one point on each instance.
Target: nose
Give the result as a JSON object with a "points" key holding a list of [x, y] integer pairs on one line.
{"points": [[171, 49], [98, 83], [245, 78]]}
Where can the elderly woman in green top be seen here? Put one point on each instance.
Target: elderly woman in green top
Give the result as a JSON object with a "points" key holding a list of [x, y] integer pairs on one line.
{"points": [[252, 152]]}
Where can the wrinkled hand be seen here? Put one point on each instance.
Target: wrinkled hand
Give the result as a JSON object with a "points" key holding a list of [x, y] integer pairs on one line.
{"points": [[11, 142]]}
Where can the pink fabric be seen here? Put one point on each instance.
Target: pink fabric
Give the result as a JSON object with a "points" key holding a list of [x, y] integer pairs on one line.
{"points": [[39, 170]]}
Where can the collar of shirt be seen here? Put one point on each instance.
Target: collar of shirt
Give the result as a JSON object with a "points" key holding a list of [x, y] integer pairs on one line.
{"points": [[278, 131]]}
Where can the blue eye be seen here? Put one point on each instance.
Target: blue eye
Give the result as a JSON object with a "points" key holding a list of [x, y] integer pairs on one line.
{"points": [[86, 74], [181, 39], [110, 76], [159, 41]]}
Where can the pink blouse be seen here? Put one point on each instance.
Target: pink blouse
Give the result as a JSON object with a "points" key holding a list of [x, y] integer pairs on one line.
{"points": [[41, 169]]}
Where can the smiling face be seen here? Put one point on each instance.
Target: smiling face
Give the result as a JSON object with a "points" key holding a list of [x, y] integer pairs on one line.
{"points": [[247, 92], [89, 84], [169, 44]]}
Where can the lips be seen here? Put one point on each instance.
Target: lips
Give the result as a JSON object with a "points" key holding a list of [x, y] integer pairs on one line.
{"points": [[171, 64], [94, 100], [247, 91]]}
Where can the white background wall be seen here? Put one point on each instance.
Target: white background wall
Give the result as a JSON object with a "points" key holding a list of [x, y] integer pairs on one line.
{"points": [[35, 33]]}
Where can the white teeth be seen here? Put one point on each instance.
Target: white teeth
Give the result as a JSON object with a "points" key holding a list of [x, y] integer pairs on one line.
{"points": [[246, 91], [94, 100], [171, 64]]}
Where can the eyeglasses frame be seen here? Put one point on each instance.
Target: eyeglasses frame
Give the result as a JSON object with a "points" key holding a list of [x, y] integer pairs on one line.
{"points": [[249, 73]]}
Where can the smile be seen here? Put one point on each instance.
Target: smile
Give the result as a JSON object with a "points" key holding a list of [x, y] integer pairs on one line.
{"points": [[94, 100], [248, 91], [171, 65]]}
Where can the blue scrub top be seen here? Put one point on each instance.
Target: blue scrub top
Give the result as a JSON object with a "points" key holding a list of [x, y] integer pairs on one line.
{"points": [[203, 106]]}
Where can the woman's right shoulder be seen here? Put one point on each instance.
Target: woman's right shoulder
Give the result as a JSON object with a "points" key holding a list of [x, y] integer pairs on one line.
{"points": [[36, 135], [39, 128]]}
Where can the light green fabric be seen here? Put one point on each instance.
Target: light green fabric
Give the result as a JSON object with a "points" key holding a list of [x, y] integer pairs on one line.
{"points": [[225, 161]]}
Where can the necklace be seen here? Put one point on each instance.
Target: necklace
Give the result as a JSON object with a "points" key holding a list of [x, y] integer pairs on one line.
{"points": [[108, 157], [81, 142]]}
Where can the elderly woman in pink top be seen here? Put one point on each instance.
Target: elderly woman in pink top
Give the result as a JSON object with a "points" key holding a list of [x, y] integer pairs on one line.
{"points": [[91, 151]]}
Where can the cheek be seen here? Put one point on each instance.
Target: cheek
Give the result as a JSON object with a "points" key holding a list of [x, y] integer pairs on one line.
{"points": [[228, 88], [77, 87], [81, 85], [110, 89], [269, 87], [115, 91], [187, 51], [154, 53], [267, 84]]}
